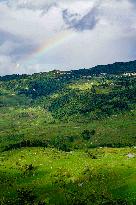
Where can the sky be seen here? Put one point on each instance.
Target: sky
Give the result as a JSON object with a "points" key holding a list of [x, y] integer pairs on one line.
{"points": [[43, 35]]}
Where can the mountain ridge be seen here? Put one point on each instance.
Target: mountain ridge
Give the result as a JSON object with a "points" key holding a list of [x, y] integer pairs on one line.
{"points": [[129, 66]]}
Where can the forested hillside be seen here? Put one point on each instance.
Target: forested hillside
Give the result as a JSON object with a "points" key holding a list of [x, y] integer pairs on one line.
{"points": [[63, 117], [93, 93]]}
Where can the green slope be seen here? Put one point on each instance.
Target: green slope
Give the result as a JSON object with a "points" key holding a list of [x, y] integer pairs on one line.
{"points": [[69, 137], [47, 176]]}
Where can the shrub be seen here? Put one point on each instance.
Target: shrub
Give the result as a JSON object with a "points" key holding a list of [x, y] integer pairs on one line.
{"points": [[87, 134], [25, 197]]}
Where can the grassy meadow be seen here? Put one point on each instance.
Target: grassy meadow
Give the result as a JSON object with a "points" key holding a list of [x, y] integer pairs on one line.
{"points": [[49, 176]]}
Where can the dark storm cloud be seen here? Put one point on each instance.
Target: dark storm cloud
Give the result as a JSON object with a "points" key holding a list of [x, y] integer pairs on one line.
{"points": [[87, 22]]}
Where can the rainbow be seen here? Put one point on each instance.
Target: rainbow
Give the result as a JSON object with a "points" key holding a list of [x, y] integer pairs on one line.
{"points": [[50, 44]]}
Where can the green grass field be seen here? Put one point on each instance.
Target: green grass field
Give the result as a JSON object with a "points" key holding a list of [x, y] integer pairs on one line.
{"points": [[83, 175], [105, 175]]}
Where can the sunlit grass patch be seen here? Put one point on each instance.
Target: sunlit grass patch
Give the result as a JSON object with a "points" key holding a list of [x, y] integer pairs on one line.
{"points": [[46, 170], [85, 85]]}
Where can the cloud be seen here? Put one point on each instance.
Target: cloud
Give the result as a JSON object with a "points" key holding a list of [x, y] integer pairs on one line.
{"points": [[15, 46], [6, 65], [87, 22], [30, 4], [29, 24], [7, 47], [104, 32]]}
